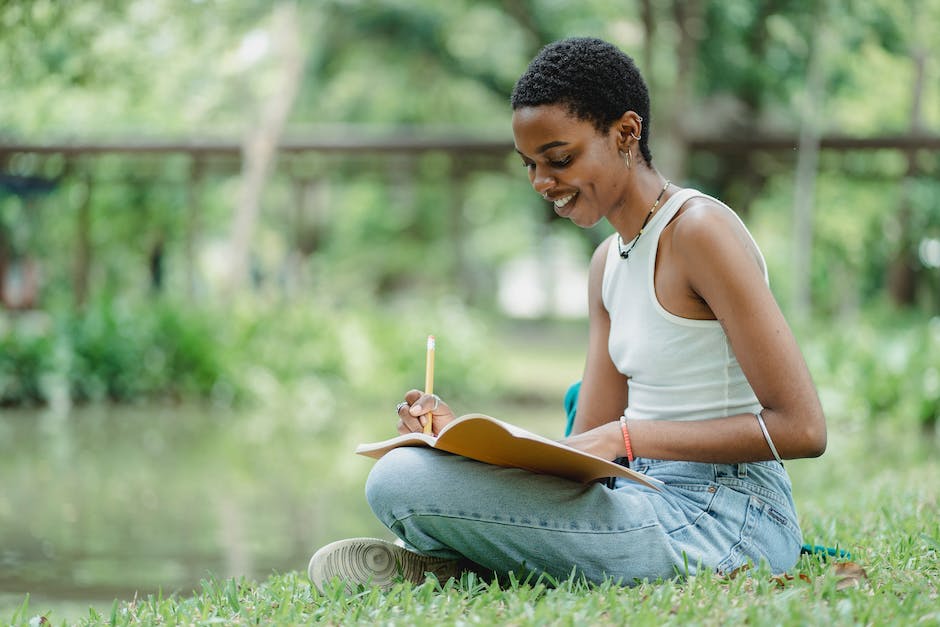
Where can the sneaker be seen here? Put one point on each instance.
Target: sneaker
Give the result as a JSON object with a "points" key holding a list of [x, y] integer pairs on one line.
{"points": [[373, 562]]}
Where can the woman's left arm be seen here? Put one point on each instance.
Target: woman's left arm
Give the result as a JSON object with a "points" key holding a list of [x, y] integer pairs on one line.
{"points": [[723, 269]]}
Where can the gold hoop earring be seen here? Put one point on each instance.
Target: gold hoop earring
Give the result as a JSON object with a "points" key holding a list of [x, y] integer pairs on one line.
{"points": [[627, 161]]}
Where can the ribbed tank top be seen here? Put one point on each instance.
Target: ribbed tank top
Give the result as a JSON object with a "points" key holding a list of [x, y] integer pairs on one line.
{"points": [[678, 368]]}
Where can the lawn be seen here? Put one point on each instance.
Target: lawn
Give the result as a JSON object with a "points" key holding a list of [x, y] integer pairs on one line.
{"points": [[882, 508]]}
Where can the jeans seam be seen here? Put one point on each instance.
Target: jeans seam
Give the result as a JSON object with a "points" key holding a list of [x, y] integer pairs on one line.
{"points": [[739, 549], [733, 483], [526, 525], [644, 465]]}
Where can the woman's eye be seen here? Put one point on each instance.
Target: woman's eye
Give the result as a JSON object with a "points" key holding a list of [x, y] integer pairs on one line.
{"points": [[554, 163]]}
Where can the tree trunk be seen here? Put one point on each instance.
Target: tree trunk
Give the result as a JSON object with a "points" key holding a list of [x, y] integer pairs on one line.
{"points": [[82, 265], [157, 264], [193, 205], [807, 162], [689, 18], [463, 270], [259, 149], [649, 33], [904, 268]]}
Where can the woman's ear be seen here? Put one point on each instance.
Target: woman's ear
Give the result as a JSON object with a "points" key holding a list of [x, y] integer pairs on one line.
{"points": [[628, 129]]}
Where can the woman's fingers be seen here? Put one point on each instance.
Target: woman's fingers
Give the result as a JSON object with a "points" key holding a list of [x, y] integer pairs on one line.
{"points": [[426, 403], [419, 407], [407, 422], [430, 406]]}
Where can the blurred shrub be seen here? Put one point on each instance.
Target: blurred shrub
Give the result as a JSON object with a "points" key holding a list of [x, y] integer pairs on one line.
{"points": [[111, 352], [365, 350], [105, 353], [187, 351], [123, 352], [25, 355], [883, 368]]}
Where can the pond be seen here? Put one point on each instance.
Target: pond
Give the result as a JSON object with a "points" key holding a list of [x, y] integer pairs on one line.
{"points": [[103, 503], [107, 502]]}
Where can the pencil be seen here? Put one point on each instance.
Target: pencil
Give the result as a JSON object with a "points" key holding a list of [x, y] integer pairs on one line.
{"points": [[429, 379]]}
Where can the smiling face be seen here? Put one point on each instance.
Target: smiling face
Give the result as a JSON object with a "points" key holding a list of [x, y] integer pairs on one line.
{"points": [[570, 163]]}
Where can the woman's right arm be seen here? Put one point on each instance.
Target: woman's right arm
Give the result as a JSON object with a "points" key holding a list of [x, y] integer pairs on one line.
{"points": [[603, 395]]}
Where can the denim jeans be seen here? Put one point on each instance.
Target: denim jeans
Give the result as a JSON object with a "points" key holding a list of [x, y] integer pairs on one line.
{"points": [[707, 517]]}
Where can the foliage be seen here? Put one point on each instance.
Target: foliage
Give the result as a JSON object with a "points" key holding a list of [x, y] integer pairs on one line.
{"points": [[855, 239], [884, 371], [117, 350], [123, 353], [25, 356], [197, 69], [109, 352], [881, 363]]}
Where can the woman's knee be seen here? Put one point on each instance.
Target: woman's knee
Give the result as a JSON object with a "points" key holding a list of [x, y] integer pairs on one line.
{"points": [[399, 475]]}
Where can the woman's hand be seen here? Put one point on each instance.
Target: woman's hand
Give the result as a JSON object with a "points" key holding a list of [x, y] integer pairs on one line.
{"points": [[605, 441], [414, 410]]}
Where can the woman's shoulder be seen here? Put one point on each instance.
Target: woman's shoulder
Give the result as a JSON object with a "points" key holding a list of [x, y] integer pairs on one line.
{"points": [[703, 223], [707, 233], [700, 209]]}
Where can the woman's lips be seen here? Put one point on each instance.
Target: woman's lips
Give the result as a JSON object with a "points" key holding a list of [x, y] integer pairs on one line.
{"points": [[563, 205]]}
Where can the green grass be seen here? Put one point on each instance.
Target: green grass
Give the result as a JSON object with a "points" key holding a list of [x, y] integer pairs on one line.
{"points": [[757, 599], [884, 513]]}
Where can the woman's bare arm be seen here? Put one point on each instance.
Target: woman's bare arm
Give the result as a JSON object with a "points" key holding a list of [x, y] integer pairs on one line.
{"points": [[718, 258], [603, 394]]}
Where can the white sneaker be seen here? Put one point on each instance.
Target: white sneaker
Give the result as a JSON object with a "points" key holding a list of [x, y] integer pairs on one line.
{"points": [[374, 562]]}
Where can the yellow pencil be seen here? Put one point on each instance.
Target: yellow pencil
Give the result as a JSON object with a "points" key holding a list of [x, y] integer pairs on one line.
{"points": [[429, 379]]}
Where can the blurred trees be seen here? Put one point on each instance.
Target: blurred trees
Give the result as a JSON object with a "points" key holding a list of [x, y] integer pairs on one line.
{"points": [[262, 138], [207, 69]]}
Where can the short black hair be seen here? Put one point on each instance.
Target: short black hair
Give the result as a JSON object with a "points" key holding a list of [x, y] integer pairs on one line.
{"points": [[596, 81]]}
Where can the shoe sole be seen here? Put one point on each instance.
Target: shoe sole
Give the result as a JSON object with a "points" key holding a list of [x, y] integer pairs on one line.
{"points": [[373, 562]]}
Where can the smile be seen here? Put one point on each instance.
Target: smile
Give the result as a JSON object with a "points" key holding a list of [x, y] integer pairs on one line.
{"points": [[564, 200]]}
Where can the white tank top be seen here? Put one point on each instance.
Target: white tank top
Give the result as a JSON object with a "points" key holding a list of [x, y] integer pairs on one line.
{"points": [[678, 368]]}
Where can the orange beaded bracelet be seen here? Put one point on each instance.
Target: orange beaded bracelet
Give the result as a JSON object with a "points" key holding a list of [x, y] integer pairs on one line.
{"points": [[626, 438]]}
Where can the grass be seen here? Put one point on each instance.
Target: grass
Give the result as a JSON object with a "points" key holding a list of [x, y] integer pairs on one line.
{"points": [[815, 598], [887, 518]]}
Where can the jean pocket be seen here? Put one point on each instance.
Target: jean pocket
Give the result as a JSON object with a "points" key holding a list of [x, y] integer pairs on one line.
{"points": [[768, 535], [751, 487], [691, 504], [786, 522], [707, 524]]}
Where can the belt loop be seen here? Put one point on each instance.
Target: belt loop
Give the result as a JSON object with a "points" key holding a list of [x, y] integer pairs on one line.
{"points": [[742, 471]]}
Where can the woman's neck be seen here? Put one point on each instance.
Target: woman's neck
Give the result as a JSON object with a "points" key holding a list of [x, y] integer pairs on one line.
{"points": [[647, 192]]}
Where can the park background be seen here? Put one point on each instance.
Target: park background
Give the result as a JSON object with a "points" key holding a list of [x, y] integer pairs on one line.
{"points": [[226, 228]]}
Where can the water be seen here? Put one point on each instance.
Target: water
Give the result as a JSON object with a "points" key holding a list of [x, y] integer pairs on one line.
{"points": [[105, 503], [98, 504]]}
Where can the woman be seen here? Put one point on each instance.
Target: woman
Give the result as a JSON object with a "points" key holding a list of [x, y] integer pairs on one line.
{"points": [[692, 376]]}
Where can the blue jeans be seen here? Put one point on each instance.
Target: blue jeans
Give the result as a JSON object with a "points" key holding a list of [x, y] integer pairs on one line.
{"points": [[708, 517]]}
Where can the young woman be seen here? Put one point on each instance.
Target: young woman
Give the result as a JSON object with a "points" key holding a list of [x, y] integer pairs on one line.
{"points": [[692, 376]]}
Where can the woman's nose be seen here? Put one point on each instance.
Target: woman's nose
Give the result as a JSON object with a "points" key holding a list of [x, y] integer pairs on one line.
{"points": [[542, 183]]}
